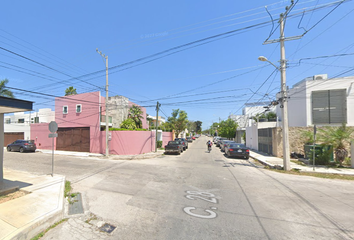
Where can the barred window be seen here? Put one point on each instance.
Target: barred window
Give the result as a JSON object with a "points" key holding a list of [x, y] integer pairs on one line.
{"points": [[329, 106]]}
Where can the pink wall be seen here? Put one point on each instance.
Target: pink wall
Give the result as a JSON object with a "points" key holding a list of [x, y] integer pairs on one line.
{"points": [[166, 136], [131, 142], [39, 133], [145, 124]]}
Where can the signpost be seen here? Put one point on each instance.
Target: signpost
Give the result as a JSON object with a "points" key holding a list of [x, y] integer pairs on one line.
{"points": [[53, 127]]}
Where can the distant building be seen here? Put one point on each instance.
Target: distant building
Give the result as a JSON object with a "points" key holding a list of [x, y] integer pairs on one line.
{"points": [[118, 109], [17, 125], [153, 120], [248, 112]]}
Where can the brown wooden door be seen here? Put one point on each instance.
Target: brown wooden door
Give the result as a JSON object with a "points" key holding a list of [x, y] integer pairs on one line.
{"points": [[10, 137], [74, 139]]}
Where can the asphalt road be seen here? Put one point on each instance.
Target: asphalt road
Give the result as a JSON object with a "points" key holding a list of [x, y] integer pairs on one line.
{"points": [[196, 195]]}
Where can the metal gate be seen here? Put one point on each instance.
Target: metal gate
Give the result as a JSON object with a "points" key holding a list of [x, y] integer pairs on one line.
{"points": [[10, 137], [74, 139], [265, 140]]}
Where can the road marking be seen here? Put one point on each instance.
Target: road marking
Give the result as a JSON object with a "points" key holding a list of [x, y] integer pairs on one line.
{"points": [[188, 211]]}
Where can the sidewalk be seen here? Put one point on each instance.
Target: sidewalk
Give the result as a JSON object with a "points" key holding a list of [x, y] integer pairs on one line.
{"points": [[275, 162], [111, 157], [26, 216]]}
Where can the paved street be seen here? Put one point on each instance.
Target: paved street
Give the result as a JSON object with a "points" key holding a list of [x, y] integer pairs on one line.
{"points": [[196, 195]]}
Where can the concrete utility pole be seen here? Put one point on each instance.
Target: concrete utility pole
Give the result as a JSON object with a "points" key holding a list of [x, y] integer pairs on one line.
{"points": [[107, 125], [286, 150], [284, 98], [158, 105]]}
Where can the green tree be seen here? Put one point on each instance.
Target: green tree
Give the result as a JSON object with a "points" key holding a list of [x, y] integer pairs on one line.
{"points": [[338, 137], [213, 128], [136, 113], [3, 91], [199, 126], [227, 128], [191, 126], [70, 91], [178, 121], [128, 124]]}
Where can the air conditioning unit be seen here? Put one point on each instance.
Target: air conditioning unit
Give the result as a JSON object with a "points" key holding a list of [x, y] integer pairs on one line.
{"points": [[320, 77]]}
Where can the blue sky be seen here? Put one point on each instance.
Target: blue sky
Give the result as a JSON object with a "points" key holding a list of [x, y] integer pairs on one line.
{"points": [[47, 46]]}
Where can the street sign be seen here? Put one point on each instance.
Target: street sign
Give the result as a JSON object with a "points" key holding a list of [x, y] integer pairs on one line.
{"points": [[53, 126], [53, 135]]}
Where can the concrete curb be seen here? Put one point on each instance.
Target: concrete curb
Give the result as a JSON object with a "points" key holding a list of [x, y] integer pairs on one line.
{"points": [[265, 163], [38, 222], [110, 157]]}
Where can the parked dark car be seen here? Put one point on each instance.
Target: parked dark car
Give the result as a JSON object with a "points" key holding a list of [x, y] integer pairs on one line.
{"points": [[184, 142], [237, 150], [219, 141], [224, 143], [22, 146], [189, 139], [174, 147]]}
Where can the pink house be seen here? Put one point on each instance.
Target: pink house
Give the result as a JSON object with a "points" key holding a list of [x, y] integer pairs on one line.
{"points": [[81, 125]]}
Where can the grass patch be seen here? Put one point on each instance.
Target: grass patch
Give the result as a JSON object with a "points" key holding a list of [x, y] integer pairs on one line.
{"points": [[298, 162], [314, 174], [67, 189], [67, 192], [41, 234]]}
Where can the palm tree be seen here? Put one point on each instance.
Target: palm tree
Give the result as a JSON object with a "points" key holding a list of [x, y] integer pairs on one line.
{"points": [[4, 92], [337, 136], [70, 91], [136, 113]]}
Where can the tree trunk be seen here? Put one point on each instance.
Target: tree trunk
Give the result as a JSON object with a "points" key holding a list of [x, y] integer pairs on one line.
{"points": [[341, 154]]}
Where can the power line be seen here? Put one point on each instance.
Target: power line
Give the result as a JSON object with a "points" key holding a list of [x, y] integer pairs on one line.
{"points": [[43, 65]]}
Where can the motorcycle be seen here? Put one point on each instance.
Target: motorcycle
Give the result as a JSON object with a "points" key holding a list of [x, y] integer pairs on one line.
{"points": [[209, 148]]}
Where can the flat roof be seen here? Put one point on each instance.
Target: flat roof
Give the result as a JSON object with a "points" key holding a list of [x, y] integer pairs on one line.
{"points": [[10, 105]]}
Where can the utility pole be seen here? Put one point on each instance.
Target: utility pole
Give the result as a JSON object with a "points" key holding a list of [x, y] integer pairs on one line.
{"points": [[158, 105], [286, 150], [107, 126], [284, 98]]}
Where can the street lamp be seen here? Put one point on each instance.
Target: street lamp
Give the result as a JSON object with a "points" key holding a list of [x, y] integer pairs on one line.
{"points": [[264, 59], [284, 107]]}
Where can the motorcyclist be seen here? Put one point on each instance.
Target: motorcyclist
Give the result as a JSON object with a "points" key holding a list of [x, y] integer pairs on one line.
{"points": [[209, 144]]}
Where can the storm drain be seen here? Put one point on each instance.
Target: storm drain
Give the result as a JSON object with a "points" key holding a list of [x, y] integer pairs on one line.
{"points": [[75, 206], [107, 228]]}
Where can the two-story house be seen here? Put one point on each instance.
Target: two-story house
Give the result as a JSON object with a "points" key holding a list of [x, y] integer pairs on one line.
{"points": [[17, 125], [81, 122], [320, 101]]}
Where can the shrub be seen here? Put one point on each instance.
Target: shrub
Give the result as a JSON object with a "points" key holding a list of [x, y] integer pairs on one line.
{"points": [[128, 124], [159, 144], [322, 157], [125, 129]]}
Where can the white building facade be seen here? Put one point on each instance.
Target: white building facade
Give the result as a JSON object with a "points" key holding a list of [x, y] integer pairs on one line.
{"points": [[321, 101], [17, 125]]}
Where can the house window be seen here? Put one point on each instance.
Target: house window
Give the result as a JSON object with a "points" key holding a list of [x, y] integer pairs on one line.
{"points": [[36, 120], [78, 108], [8, 121], [65, 109], [21, 120], [329, 106]]}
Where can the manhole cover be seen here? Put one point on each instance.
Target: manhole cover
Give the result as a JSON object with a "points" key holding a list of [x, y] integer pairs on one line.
{"points": [[107, 228]]}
